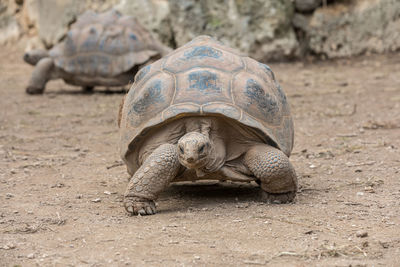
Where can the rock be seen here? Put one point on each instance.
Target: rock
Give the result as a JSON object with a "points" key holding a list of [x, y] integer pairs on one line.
{"points": [[31, 256], [306, 6], [362, 234], [51, 18], [10, 30], [54, 16], [156, 19], [259, 28], [30, 16], [265, 34], [355, 27], [8, 246], [34, 43], [300, 21]]}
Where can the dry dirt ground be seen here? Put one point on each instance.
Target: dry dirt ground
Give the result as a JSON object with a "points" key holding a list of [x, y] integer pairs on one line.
{"points": [[61, 180]]}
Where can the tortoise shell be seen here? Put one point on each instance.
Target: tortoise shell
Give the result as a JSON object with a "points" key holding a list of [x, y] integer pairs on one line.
{"points": [[204, 78], [105, 44]]}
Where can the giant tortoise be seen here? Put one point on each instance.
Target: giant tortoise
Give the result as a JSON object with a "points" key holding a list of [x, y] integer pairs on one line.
{"points": [[103, 49], [205, 112]]}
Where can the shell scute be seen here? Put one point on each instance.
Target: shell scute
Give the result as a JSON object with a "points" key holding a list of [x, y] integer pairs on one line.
{"points": [[203, 56], [175, 110], [152, 96], [256, 98], [202, 86], [260, 69], [225, 109]]}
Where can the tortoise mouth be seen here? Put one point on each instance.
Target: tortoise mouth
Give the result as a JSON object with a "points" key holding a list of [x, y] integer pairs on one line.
{"points": [[195, 164]]}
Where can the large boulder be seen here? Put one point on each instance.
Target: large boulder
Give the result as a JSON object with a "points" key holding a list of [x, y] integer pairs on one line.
{"points": [[54, 16], [10, 30], [259, 28], [152, 14], [355, 27], [51, 18]]}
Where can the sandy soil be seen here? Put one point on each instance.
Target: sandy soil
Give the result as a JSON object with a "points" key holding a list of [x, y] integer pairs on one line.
{"points": [[62, 180]]}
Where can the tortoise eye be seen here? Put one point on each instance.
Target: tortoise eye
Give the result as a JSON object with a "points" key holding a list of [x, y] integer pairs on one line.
{"points": [[201, 149], [181, 149]]}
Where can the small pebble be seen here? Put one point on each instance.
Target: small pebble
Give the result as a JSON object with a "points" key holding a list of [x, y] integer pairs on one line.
{"points": [[362, 234], [9, 246], [369, 189], [31, 256], [96, 200]]}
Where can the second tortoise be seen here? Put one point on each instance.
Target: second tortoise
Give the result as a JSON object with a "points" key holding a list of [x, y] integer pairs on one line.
{"points": [[104, 49]]}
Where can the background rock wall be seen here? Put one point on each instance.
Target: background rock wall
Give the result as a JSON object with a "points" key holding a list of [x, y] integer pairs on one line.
{"points": [[266, 30], [355, 28]]}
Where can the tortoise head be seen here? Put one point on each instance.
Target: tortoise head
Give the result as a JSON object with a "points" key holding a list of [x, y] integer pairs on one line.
{"points": [[194, 150], [34, 56]]}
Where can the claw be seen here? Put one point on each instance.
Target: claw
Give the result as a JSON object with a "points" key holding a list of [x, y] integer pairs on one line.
{"points": [[149, 210], [129, 209], [137, 206], [142, 212]]}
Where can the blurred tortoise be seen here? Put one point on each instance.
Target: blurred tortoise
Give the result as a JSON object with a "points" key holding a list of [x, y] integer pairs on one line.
{"points": [[205, 112], [104, 49]]}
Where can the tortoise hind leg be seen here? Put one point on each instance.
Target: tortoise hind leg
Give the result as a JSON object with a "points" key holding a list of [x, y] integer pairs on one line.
{"points": [[155, 174], [40, 76], [274, 171]]}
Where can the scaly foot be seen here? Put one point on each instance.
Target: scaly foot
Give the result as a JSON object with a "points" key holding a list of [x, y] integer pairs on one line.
{"points": [[139, 206], [32, 90]]}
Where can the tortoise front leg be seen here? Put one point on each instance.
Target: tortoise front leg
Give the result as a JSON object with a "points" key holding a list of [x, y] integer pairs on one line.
{"points": [[157, 171], [275, 172], [40, 76]]}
